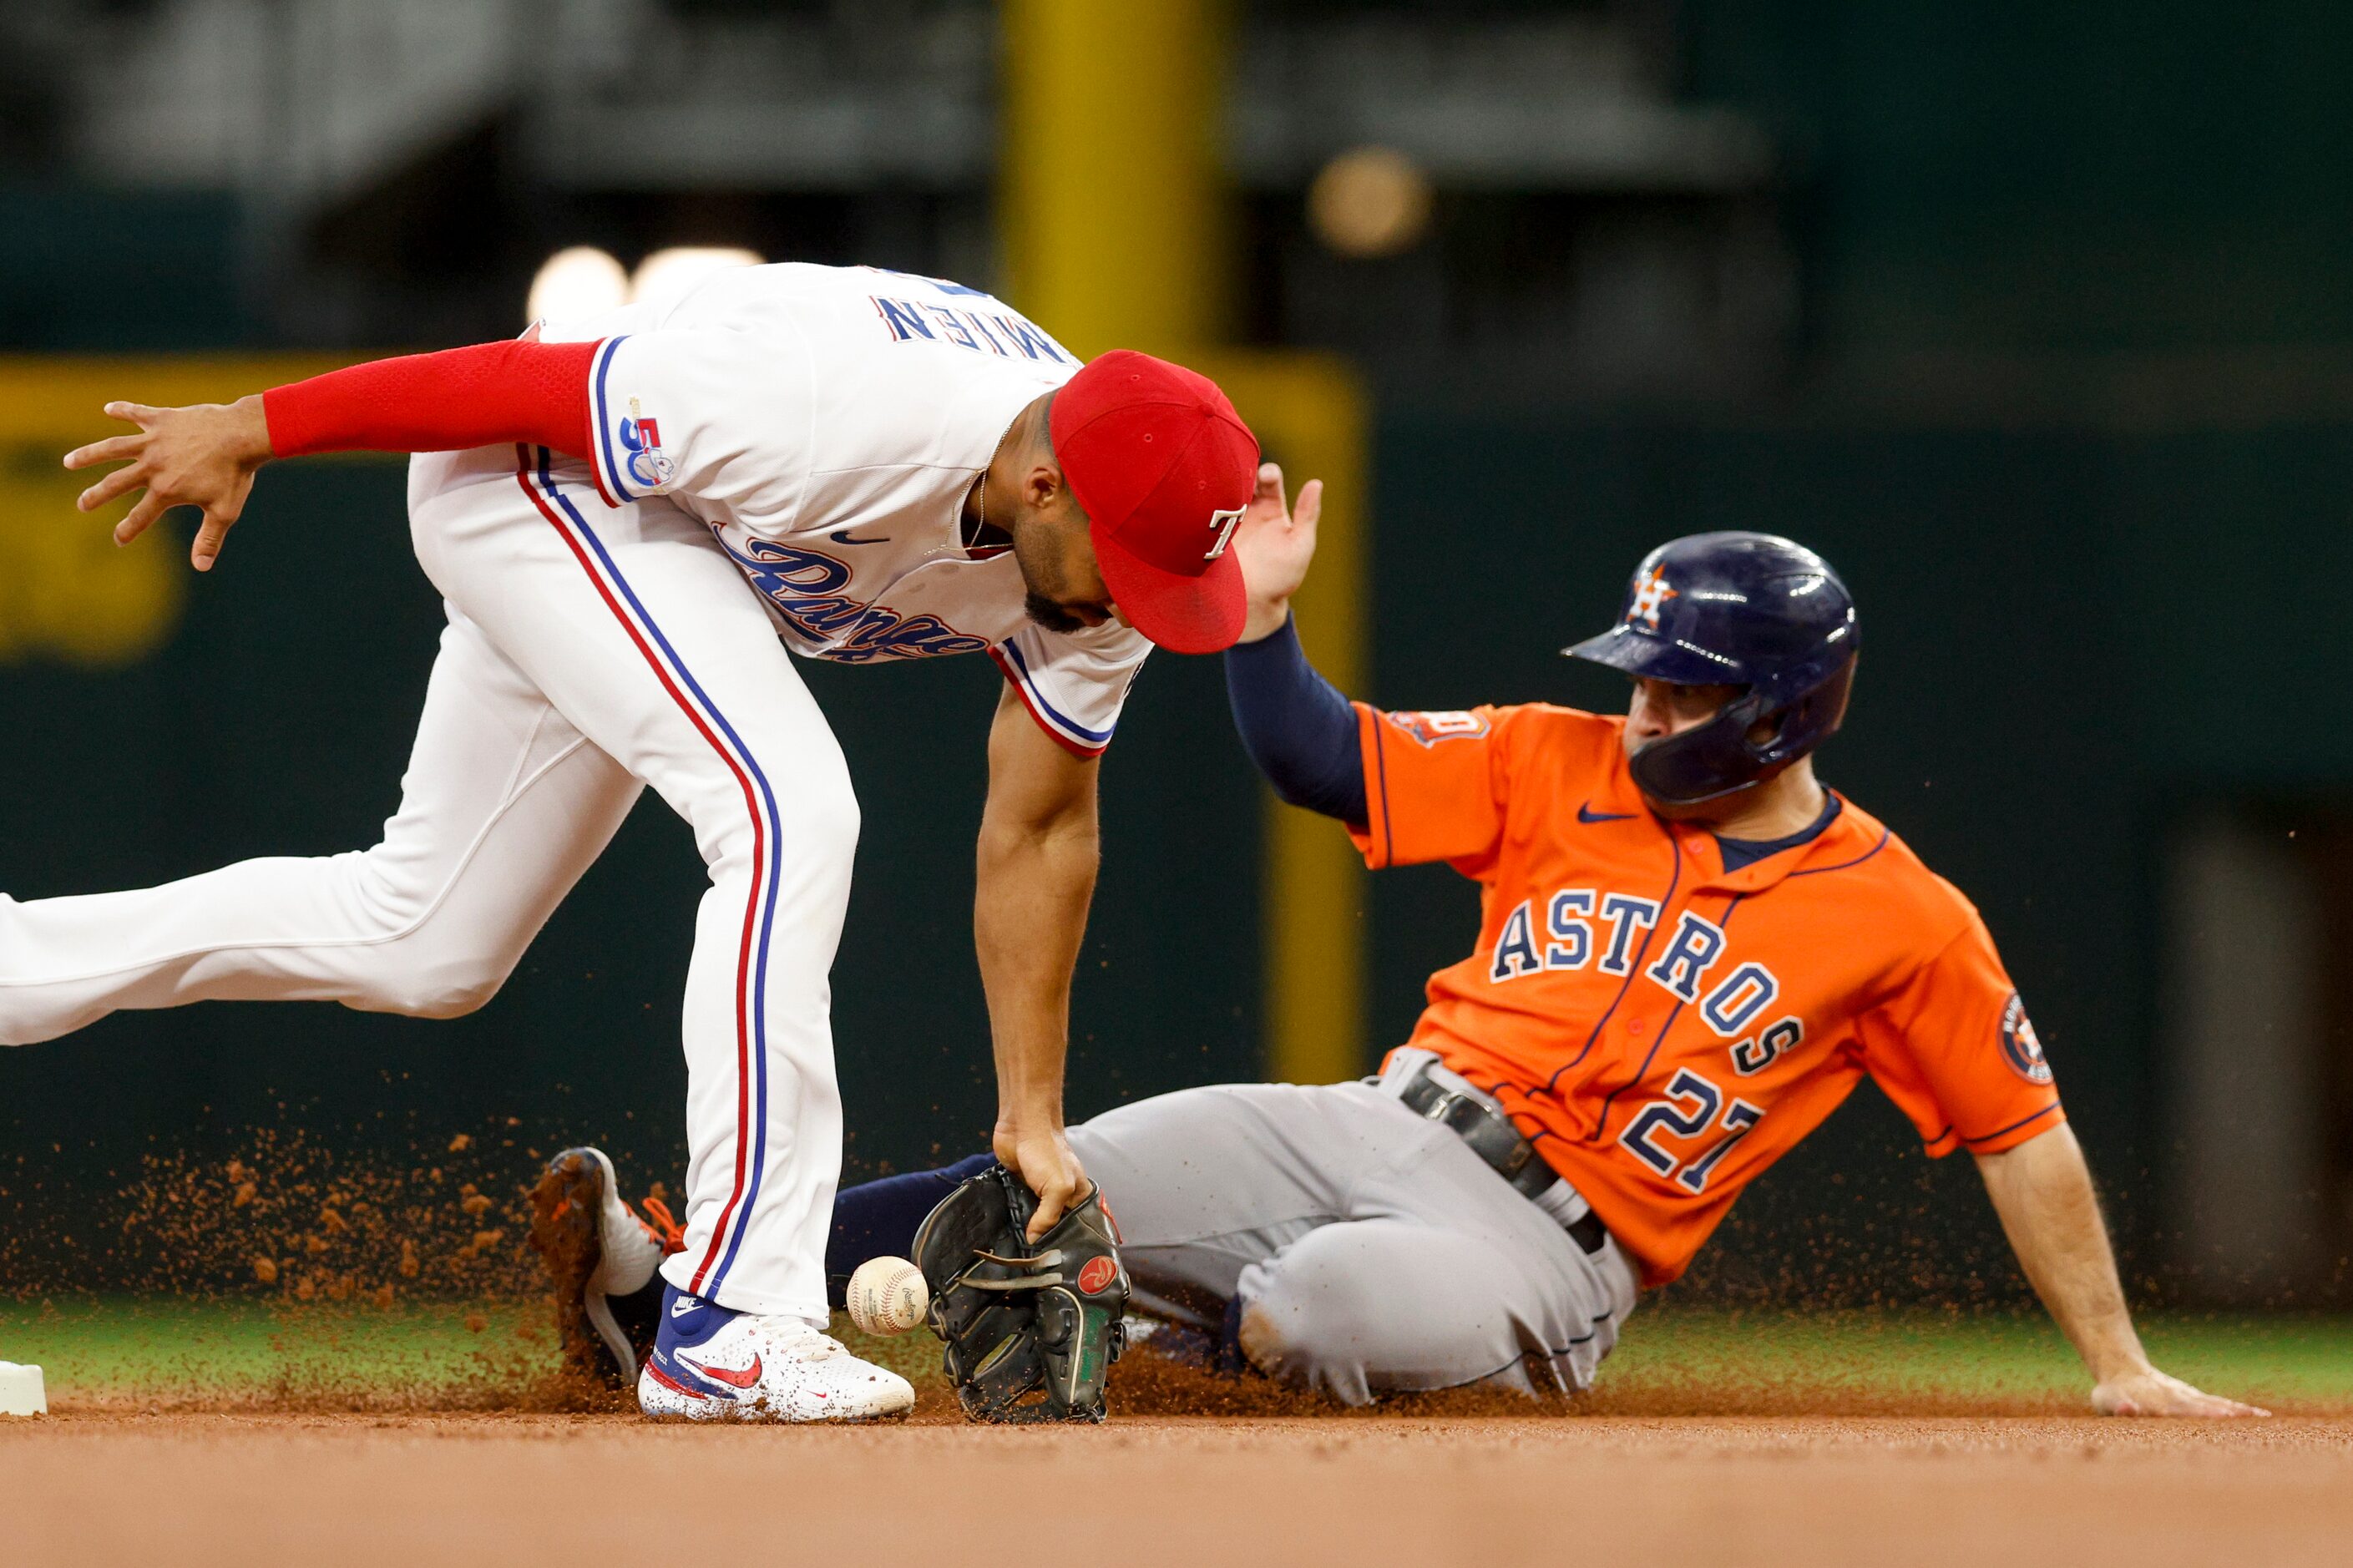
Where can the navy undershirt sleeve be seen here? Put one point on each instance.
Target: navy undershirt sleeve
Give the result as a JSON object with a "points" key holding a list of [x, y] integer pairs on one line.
{"points": [[879, 1219], [1296, 726]]}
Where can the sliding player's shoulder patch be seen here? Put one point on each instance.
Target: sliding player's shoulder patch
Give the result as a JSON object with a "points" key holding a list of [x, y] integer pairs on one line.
{"points": [[1429, 729], [2020, 1045]]}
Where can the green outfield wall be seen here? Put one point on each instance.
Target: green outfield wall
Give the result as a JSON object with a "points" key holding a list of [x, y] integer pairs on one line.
{"points": [[2070, 639]]}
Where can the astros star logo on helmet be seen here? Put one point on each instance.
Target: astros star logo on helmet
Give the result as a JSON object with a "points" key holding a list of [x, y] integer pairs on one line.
{"points": [[1650, 597]]}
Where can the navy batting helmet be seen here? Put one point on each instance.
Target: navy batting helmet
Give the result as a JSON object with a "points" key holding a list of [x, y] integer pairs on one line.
{"points": [[1748, 610]]}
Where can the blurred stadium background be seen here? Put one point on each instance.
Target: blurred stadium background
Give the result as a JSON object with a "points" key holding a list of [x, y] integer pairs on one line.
{"points": [[2036, 319]]}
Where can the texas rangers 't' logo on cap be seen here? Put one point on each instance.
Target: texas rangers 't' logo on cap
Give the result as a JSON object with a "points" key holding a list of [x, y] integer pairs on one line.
{"points": [[1156, 458], [1223, 524]]}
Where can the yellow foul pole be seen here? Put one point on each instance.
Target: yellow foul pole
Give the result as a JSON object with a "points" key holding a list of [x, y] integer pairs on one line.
{"points": [[1114, 219], [1113, 201]]}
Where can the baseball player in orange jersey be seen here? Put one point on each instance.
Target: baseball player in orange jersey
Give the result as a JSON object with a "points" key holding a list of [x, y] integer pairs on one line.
{"points": [[1690, 952]]}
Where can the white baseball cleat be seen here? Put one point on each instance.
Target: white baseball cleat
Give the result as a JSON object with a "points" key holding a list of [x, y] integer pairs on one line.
{"points": [[711, 1364]]}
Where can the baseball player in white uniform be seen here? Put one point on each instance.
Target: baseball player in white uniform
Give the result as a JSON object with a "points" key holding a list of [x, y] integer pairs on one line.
{"points": [[625, 515]]}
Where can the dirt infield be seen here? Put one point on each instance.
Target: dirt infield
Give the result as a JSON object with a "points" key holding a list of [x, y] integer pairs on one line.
{"points": [[105, 1487], [337, 1431]]}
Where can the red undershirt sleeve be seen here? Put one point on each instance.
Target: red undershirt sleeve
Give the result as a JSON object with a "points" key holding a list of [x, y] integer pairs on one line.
{"points": [[514, 390]]}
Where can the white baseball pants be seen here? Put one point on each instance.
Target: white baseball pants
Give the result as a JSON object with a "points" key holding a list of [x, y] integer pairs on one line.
{"points": [[591, 651]]}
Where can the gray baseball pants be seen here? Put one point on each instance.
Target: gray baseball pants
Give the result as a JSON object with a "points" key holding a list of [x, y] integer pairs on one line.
{"points": [[1371, 1249]]}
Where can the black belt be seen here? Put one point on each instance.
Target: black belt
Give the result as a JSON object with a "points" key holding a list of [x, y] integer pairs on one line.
{"points": [[1493, 1139]]}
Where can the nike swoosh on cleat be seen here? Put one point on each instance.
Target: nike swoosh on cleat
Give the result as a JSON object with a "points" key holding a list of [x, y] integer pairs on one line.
{"points": [[743, 1379], [1587, 814], [841, 536]]}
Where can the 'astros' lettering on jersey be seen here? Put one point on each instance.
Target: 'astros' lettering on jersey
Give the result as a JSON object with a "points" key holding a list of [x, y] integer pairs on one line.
{"points": [[825, 423], [1663, 1029]]}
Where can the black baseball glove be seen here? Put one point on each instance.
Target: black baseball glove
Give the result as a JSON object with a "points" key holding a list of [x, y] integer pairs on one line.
{"points": [[1031, 1332]]}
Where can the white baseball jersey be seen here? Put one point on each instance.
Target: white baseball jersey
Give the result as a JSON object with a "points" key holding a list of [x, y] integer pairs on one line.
{"points": [[814, 428], [827, 423]]}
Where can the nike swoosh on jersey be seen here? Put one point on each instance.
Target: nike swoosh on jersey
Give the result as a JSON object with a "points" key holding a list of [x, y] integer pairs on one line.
{"points": [[841, 536], [1587, 814]]}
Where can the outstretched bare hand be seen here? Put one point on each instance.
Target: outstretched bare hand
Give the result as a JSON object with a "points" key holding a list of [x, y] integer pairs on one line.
{"points": [[1275, 544], [203, 456]]}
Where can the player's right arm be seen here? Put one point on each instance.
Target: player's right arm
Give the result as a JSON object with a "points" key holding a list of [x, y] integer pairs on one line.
{"points": [[206, 455], [1951, 1045], [1035, 877], [2043, 1191]]}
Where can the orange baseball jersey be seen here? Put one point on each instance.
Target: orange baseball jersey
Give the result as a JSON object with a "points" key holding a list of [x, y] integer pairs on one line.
{"points": [[1662, 1028]]}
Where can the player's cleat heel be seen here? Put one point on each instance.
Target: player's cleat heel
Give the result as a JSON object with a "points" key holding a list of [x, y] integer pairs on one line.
{"points": [[601, 1259], [711, 1364]]}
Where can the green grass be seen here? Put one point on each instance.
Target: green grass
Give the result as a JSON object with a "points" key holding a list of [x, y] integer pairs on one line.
{"points": [[2305, 1361], [148, 1347], [174, 1352]]}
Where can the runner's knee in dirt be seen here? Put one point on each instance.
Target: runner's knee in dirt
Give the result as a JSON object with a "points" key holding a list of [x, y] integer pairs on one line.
{"points": [[1363, 1308], [1308, 1323], [1301, 1352]]}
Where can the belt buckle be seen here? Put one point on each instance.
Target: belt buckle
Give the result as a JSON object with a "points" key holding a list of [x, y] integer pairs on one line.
{"points": [[1442, 1107]]}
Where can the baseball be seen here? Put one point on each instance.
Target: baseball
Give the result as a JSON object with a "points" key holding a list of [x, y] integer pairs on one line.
{"points": [[888, 1296]]}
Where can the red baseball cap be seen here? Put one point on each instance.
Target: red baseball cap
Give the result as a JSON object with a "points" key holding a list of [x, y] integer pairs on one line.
{"points": [[1164, 467]]}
